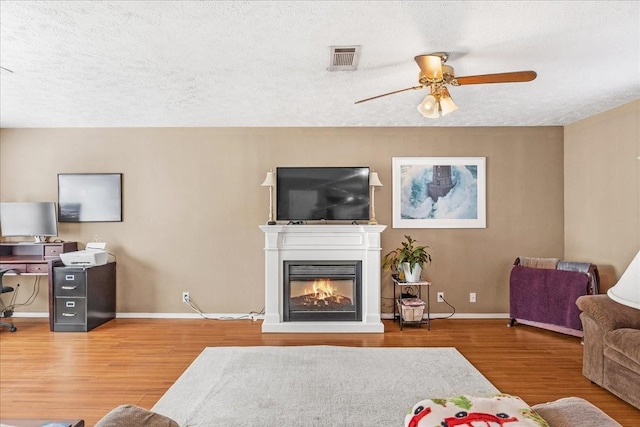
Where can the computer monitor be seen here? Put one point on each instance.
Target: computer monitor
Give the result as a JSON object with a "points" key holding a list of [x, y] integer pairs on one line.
{"points": [[33, 219]]}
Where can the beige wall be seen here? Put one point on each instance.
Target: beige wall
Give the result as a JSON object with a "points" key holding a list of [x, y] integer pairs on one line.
{"points": [[602, 190], [193, 203]]}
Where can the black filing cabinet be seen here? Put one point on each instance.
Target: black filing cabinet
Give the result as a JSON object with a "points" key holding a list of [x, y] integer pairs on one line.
{"points": [[83, 297]]}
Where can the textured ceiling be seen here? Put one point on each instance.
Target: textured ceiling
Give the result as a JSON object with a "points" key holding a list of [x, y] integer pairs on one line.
{"points": [[264, 63]]}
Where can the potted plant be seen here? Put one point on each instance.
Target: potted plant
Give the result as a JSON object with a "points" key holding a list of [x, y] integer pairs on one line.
{"points": [[409, 258]]}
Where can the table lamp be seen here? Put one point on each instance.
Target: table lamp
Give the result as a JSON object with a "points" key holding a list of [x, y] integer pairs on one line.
{"points": [[270, 181], [627, 290], [374, 182]]}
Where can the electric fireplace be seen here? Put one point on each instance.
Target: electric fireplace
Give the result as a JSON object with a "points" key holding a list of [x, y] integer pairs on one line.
{"points": [[332, 278], [322, 291]]}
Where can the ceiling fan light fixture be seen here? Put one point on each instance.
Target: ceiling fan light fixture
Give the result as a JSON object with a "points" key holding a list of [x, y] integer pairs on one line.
{"points": [[446, 103], [429, 107], [435, 75], [448, 106]]}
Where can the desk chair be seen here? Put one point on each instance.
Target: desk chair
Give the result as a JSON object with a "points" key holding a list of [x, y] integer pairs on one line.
{"points": [[7, 311]]}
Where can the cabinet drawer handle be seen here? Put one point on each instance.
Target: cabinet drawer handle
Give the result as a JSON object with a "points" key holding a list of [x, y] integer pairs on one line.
{"points": [[68, 314], [69, 288]]}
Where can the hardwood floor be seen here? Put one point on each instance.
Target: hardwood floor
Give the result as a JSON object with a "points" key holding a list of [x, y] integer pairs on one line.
{"points": [[84, 375]]}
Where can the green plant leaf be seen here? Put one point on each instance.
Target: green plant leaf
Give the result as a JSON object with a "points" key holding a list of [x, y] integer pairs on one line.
{"points": [[407, 252]]}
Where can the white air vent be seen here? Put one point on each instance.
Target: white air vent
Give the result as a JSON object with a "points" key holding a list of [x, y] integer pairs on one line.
{"points": [[344, 58]]}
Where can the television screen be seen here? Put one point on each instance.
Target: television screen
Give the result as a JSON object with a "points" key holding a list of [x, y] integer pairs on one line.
{"points": [[37, 219], [322, 193]]}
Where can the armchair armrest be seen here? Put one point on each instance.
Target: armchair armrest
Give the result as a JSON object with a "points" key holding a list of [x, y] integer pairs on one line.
{"points": [[608, 314]]}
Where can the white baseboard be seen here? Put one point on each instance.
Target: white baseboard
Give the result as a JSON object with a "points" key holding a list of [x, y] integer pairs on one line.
{"points": [[239, 316], [435, 316], [30, 314], [216, 316]]}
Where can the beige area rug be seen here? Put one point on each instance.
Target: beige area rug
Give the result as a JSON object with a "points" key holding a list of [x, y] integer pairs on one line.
{"points": [[315, 385]]}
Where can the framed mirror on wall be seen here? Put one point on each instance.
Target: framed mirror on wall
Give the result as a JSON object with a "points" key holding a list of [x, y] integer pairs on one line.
{"points": [[90, 197]]}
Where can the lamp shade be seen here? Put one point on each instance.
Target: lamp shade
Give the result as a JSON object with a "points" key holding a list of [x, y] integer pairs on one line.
{"points": [[374, 181], [270, 180], [446, 103], [429, 107], [627, 290]]}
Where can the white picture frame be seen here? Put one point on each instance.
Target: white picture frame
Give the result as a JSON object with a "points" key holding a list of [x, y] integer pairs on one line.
{"points": [[456, 198]]}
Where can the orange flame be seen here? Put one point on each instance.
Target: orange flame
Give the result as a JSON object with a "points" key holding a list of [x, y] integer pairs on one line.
{"points": [[322, 289]]}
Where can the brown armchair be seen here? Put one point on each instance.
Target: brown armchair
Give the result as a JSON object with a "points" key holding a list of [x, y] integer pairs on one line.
{"points": [[611, 346]]}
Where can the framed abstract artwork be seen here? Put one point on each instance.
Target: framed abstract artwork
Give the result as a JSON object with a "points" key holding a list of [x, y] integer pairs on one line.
{"points": [[89, 197], [439, 192]]}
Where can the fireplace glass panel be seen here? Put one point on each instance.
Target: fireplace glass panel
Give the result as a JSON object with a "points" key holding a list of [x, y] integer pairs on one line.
{"points": [[322, 295], [322, 291]]}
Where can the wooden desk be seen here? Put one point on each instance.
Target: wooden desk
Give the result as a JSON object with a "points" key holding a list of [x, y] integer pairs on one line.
{"points": [[37, 259], [80, 298], [32, 258]]}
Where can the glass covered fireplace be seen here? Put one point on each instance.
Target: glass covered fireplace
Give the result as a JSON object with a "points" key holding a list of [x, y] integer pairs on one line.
{"points": [[322, 291]]}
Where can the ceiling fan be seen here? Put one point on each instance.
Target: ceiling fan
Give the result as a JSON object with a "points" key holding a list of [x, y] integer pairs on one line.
{"points": [[435, 75]]}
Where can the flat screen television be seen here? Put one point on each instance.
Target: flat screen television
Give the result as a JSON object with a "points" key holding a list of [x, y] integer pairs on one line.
{"points": [[28, 219], [322, 193]]}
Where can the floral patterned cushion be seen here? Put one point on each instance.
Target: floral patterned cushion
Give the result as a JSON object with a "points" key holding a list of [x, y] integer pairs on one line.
{"points": [[499, 410]]}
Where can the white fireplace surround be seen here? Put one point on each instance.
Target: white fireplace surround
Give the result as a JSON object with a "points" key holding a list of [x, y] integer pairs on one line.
{"points": [[322, 243]]}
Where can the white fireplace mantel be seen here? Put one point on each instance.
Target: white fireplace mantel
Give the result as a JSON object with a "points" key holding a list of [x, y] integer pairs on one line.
{"points": [[322, 243]]}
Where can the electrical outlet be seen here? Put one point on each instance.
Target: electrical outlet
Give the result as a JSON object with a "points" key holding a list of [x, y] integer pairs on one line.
{"points": [[440, 297], [186, 297], [472, 297]]}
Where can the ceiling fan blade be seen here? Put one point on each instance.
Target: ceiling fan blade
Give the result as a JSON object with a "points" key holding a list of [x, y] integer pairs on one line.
{"points": [[514, 77], [390, 93]]}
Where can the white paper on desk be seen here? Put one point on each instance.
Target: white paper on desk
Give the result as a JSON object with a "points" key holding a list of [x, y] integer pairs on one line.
{"points": [[96, 246]]}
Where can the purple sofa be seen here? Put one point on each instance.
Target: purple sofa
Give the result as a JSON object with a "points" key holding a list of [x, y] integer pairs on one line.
{"points": [[546, 297]]}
